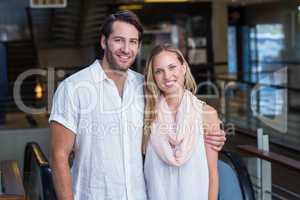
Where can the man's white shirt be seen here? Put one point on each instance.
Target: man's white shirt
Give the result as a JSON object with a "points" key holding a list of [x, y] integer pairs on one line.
{"points": [[108, 128]]}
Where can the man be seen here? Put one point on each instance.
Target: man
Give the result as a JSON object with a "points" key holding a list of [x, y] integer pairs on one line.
{"points": [[98, 114]]}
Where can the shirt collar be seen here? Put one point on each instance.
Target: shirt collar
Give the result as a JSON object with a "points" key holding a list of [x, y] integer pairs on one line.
{"points": [[99, 74], [130, 75]]}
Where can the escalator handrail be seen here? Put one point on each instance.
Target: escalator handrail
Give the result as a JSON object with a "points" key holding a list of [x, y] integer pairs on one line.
{"points": [[242, 174], [33, 151]]}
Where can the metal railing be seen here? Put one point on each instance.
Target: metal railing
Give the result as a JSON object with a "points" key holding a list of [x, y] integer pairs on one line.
{"points": [[264, 187], [37, 174]]}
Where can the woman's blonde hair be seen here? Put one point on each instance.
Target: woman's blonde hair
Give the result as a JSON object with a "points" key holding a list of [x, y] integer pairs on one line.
{"points": [[152, 92]]}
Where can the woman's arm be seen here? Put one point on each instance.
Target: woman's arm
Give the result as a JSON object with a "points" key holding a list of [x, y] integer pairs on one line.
{"points": [[211, 124]]}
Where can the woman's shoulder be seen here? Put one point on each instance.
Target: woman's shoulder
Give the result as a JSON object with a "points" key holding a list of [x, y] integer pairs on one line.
{"points": [[210, 116], [208, 109], [203, 105]]}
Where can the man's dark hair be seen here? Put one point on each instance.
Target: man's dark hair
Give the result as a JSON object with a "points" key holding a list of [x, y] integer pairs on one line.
{"points": [[123, 16]]}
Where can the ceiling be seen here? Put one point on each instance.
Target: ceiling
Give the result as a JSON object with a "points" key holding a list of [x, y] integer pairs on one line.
{"points": [[230, 2], [241, 2]]}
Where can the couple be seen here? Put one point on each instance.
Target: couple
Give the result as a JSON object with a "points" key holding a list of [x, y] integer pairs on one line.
{"points": [[98, 113]]}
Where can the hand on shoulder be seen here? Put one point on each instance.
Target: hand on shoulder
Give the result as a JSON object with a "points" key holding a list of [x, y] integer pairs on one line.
{"points": [[211, 121]]}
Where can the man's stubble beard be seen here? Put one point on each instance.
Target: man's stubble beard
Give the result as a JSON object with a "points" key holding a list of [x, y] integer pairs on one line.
{"points": [[112, 62]]}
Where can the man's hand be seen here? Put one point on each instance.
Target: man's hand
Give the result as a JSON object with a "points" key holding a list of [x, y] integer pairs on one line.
{"points": [[216, 139]]}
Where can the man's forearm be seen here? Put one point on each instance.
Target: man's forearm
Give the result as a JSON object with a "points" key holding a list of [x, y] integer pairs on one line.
{"points": [[62, 177]]}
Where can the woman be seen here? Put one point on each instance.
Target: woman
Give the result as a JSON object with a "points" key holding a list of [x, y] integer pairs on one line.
{"points": [[179, 165]]}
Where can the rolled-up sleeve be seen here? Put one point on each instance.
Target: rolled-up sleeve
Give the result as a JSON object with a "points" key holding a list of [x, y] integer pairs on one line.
{"points": [[64, 107]]}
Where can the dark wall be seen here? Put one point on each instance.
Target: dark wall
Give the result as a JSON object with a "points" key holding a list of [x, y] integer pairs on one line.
{"points": [[13, 19]]}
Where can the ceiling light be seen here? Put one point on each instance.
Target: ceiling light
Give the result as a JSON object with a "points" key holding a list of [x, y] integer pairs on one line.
{"points": [[131, 7]]}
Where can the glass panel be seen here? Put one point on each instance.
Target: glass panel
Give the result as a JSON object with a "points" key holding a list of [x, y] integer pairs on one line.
{"points": [[232, 50]]}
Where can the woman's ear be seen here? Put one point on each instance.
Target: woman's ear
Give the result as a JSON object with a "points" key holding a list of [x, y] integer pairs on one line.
{"points": [[184, 65]]}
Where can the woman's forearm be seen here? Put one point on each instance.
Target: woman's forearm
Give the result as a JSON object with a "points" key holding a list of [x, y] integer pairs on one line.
{"points": [[213, 186]]}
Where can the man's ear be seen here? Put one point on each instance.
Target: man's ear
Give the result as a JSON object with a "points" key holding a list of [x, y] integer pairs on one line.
{"points": [[140, 45], [103, 42]]}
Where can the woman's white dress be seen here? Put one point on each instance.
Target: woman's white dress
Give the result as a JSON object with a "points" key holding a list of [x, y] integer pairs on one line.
{"points": [[187, 182]]}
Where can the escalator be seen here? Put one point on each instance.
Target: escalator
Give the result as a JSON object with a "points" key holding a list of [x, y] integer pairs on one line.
{"points": [[235, 182], [37, 175]]}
